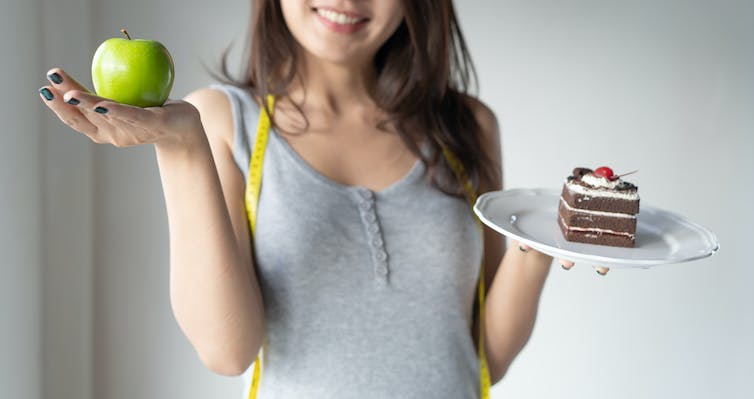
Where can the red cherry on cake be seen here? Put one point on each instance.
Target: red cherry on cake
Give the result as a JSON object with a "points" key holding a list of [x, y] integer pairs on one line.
{"points": [[604, 171]]}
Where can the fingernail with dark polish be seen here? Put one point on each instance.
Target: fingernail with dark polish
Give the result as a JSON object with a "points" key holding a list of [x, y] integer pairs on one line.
{"points": [[100, 110], [73, 101], [55, 78], [46, 93], [521, 248]]}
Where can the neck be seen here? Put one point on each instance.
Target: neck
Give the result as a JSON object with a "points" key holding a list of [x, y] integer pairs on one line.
{"points": [[333, 88]]}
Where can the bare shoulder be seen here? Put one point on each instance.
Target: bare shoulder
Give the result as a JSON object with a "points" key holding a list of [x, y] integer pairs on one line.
{"points": [[215, 111]]}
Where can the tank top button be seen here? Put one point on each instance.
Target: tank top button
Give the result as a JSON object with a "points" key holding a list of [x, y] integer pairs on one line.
{"points": [[366, 193]]}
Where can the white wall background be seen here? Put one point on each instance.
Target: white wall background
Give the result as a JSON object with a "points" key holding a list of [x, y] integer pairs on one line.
{"points": [[666, 87]]}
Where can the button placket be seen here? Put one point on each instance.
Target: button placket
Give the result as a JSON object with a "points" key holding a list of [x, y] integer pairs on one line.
{"points": [[375, 240]]}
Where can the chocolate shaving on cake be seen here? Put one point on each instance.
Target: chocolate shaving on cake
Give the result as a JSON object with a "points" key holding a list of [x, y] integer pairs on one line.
{"points": [[578, 173], [626, 186]]}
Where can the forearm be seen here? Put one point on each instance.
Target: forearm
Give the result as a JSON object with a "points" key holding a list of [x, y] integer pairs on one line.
{"points": [[215, 297], [511, 306]]}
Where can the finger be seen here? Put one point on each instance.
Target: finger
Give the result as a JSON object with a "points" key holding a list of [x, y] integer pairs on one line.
{"points": [[93, 108], [85, 101], [129, 113], [135, 125], [565, 264], [67, 113], [110, 110], [63, 82], [601, 270], [523, 247], [97, 110]]}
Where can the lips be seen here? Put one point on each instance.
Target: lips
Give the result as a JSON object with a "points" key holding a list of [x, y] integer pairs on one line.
{"points": [[340, 21]]}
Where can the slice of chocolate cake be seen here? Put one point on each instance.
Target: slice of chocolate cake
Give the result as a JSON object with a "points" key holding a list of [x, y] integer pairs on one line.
{"points": [[597, 207]]}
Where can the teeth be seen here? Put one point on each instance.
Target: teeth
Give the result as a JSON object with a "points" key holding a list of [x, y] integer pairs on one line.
{"points": [[336, 17]]}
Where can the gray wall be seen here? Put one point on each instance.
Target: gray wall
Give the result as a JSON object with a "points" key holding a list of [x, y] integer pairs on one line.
{"points": [[664, 87], [20, 206]]}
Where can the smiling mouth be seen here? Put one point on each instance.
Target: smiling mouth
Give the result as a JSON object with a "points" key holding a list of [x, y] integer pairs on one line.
{"points": [[339, 17]]}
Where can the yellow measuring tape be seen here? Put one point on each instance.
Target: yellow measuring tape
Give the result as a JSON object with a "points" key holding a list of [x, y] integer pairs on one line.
{"points": [[254, 185], [484, 371]]}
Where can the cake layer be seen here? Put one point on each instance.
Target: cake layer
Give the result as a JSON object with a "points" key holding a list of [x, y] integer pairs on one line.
{"points": [[578, 197], [596, 237], [596, 219]]}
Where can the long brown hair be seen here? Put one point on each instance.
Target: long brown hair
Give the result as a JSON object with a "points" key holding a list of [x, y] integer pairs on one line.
{"points": [[424, 76]]}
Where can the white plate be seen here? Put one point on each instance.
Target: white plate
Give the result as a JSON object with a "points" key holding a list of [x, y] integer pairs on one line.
{"points": [[530, 216]]}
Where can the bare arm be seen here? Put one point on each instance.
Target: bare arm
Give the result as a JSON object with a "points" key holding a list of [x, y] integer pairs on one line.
{"points": [[515, 280], [213, 288], [512, 306]]}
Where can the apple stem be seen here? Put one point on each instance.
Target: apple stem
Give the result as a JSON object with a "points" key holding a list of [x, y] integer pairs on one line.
{"points": [[123, 31]]}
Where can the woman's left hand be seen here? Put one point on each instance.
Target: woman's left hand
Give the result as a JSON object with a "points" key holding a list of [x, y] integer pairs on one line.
{"points": [[566, 264]]}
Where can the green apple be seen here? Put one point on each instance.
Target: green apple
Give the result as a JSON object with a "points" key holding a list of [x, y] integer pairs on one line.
{"points": [[135, 72]]}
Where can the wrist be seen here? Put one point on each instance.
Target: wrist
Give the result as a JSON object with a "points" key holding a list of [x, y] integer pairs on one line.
{"points": [[189, 140], [540, 255], [538, 258]]}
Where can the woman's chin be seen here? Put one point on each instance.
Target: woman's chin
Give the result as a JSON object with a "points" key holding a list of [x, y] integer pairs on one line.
{"points": [[339, 57]]}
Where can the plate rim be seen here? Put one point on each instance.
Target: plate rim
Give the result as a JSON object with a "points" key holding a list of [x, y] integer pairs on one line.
{"points": [[485, 198]]}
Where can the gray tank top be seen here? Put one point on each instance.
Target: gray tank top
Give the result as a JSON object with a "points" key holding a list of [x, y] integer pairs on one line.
{"points": [[366, 294]]}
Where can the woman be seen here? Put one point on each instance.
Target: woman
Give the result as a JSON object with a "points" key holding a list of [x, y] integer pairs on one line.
{"points": [[366, 254]]}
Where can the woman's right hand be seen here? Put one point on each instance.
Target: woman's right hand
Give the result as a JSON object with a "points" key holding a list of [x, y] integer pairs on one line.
{"points": [[176, 123]]}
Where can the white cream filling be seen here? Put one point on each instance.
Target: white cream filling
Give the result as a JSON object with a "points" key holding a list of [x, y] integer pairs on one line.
{"points": [[336, 17], [576, 188], [597, 181], [594, 230], [599, 213]]}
